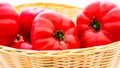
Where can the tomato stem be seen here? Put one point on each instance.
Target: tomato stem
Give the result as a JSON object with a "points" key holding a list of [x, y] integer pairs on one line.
{"points": [[18, 37], [59, 34], [95, 24]]}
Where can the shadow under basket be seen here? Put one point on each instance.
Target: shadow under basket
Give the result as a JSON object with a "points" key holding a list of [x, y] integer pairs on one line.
{"points": [[105, 56]]}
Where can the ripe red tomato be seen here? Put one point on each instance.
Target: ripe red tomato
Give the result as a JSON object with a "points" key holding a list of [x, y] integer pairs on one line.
{"points": [[21, 45], [99, 24], [27, 16], [53, 31], [9, 24]]}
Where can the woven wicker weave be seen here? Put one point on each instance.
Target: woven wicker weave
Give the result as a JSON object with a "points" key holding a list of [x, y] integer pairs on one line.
{"points": [[105, 56]]}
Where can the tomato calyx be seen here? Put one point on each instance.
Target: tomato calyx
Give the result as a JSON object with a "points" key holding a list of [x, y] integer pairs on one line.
{"points": [[95, 24], [59, 35]]}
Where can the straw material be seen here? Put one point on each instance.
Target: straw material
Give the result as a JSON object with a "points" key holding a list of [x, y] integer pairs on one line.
{"points": [[104, 56]]}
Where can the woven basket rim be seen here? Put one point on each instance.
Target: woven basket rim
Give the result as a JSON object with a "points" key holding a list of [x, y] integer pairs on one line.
{"points": [[68, 52]]}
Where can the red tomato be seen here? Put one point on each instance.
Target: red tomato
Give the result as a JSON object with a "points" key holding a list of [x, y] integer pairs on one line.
{"points": [[53, 31], [9, 24], [27, 16], [22, 45], [99, 24]]}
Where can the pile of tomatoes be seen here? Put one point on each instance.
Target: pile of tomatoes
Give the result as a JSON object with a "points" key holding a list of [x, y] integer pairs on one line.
{"points": [[43, 29]]}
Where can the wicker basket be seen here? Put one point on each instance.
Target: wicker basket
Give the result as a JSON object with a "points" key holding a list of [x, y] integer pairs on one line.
{"points": [[105, 56]]}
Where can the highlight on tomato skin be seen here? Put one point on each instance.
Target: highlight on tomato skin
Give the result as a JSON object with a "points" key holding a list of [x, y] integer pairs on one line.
{"points": [[99, 24]]}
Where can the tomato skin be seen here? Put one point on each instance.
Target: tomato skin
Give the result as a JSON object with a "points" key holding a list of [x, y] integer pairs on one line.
{"points": [[9, 24], [54, 31], [106, 16], [27, 16], [22, 45]]}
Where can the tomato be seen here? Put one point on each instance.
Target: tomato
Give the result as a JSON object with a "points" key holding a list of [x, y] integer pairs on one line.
{"points": [[27, 16], [53, 31], [22, 45], [9, 24], [99, 24]]}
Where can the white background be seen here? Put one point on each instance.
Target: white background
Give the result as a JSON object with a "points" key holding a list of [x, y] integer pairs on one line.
{"points": [[79, 3]]}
